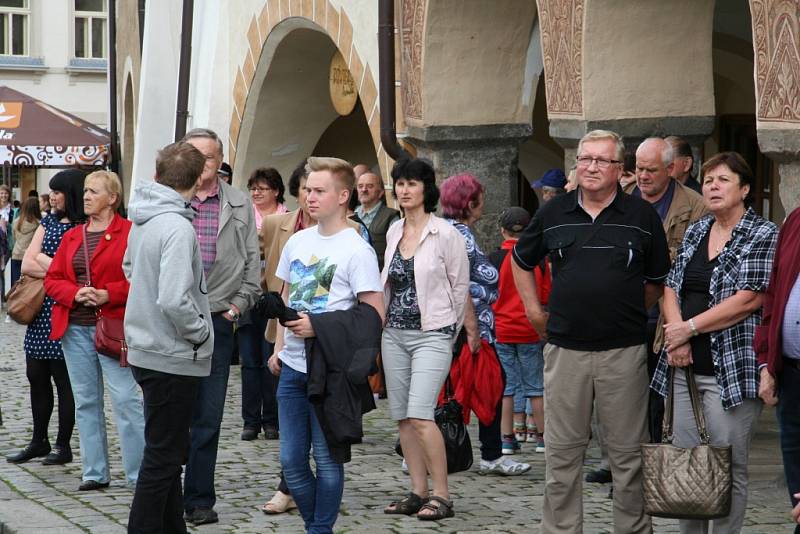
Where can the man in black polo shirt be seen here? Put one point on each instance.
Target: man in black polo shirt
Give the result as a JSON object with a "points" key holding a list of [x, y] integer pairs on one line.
{"points": [[610, 258]]}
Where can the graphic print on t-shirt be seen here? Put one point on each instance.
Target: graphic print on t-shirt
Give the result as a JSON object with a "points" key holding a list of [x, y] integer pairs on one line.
{"points": [[310, 284]]}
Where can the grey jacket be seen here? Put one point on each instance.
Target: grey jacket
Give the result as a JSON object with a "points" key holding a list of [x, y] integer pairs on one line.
{"points": [[168, 324], [235, 276]]}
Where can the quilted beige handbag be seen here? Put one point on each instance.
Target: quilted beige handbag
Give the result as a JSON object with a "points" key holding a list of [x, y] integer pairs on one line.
{"points": [[686, 483]]}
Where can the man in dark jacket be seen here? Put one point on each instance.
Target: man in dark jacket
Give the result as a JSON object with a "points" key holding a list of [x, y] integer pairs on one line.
{"points": [[777, 346], [374, 213]]}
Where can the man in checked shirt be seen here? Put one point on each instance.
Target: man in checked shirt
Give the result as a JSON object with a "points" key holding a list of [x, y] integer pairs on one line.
{"points": [[228, 239]]}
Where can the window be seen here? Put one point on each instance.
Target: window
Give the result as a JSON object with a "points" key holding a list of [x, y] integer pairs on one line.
{"points": [[14, 16], [90, 28]]}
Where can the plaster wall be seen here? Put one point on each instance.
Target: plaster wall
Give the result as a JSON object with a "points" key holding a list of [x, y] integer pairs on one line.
{"points": [[51, 38], [158, 83], [643, 77], [474, 66]]}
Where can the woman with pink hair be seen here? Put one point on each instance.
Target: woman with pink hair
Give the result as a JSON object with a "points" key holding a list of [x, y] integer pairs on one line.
{"points": [[461, 201]]}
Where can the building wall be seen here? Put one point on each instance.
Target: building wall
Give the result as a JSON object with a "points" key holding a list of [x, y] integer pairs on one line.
{"points": [[84, 94]]}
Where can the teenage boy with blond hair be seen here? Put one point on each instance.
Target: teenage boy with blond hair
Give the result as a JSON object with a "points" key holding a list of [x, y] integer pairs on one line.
{"points": [[325, 268]]}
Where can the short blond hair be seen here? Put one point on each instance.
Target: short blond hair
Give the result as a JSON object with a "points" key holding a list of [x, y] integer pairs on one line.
{"points": [[111, 182], [599, 135], [340, 169]]}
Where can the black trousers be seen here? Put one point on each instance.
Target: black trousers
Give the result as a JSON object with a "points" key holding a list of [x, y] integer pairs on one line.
{"points": [[42, 373], [490, 435], [655, 408], [168, 404]]}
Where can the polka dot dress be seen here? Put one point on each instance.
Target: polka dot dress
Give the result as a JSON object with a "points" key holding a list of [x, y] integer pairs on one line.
{"points": [[37, 344]]}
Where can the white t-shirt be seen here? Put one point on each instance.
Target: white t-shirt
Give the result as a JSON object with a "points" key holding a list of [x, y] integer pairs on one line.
{"points": [[324, 273]]}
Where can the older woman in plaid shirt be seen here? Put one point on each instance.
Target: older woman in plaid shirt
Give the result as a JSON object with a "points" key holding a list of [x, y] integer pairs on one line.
{"points": [[712, 305]]}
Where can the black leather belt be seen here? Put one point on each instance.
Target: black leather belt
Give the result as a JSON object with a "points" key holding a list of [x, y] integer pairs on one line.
{"points": [[794, 363]]}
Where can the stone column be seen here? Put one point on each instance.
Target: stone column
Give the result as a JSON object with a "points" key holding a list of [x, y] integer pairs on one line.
{"points": [[490, 152], [776, 31]]}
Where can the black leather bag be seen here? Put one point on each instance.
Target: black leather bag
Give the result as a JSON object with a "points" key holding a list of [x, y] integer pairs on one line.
{"points": [[449, 418]]}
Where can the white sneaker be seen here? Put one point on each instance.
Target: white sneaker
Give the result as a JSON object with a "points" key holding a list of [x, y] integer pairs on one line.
{"points": [[503, 466], [404, 467]]}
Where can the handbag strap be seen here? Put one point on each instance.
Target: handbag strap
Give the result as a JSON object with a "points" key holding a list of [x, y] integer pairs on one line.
{"points": [[697, 408], [86, 256]]}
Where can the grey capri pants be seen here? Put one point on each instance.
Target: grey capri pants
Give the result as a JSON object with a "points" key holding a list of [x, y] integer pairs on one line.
{"points": [[416, 364]]}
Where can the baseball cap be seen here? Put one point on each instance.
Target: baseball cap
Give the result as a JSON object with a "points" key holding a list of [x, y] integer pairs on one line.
{"points": [[552, 178], [515, 219], [225, 169]]}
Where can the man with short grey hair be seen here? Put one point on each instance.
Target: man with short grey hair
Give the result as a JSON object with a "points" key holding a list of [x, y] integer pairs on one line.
{"points": [[609, 249], [226, 230], [677, 206], [683, 163], [373, 212]]}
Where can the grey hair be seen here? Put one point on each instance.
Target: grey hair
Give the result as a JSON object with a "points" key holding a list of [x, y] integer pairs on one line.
{"points": [[204, 133], [597, 135], [667, 152]]}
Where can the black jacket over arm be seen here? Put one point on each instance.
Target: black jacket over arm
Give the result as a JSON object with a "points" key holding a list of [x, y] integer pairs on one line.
{"points": [[340, 358]]}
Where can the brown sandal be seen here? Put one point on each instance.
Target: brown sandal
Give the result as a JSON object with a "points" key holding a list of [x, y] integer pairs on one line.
{"points": [[443, 510], [410, 505]]}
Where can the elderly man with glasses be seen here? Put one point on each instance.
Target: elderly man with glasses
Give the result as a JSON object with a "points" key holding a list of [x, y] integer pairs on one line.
{"points": [[609, 249], [226, 230]]}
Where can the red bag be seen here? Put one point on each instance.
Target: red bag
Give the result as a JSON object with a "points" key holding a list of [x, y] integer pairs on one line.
{"points": [[109, 334]]}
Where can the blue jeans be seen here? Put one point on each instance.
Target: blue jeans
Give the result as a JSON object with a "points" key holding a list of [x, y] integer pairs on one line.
{"points": [[198, 482], [789, 423], [259, 406], [317, 497], [87, 369]]}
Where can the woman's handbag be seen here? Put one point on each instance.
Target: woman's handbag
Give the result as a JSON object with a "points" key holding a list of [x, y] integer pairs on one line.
{"points": [[109, 333], [449, 417], [25, 299], [686, 483]]}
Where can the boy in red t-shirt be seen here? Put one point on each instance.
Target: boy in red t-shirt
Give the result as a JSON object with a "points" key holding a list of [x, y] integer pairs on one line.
{"points": [[518, 345]]}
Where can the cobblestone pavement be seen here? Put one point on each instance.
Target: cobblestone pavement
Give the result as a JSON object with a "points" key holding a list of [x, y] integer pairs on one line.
{"points": [[43, 499]]}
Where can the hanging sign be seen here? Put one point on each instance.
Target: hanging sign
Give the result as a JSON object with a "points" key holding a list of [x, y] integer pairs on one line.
{"points": [[342, 87]]}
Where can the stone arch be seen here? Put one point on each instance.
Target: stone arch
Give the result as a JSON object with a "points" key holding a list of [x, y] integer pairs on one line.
{"points": [[277, 24]]}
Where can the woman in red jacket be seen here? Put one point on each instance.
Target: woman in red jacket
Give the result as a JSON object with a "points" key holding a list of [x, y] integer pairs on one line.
{"points": [[79, 298]]}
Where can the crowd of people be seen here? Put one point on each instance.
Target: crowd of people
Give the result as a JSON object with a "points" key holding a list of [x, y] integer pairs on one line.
{"points": [[619, 288]]}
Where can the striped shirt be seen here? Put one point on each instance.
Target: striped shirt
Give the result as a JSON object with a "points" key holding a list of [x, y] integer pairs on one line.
{"points": [[206, 226], [80, 314]]}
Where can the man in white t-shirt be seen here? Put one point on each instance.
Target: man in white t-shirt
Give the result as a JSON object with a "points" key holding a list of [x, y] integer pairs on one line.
{"points": [[325, 268]]}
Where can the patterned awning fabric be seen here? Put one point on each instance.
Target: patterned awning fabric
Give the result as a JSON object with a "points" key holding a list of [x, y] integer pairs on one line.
{"points": [[35, 134]]}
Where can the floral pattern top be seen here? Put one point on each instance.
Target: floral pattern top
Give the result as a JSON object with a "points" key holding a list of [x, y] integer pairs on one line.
{"points": [[483, 280], [404, 307]]}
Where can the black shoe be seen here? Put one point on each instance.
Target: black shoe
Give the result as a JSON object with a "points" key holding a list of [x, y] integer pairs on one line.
{"points": [[92, 485], [33, 450], [58, 456], [599, 476], [249, 434], [270, 432], [201, 516]]}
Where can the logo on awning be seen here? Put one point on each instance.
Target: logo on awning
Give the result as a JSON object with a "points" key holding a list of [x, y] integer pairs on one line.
{"points": [[10, 114]]}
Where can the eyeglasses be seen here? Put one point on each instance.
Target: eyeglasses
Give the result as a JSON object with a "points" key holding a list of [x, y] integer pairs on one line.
{"points": [[602, 163], [260, 189]]}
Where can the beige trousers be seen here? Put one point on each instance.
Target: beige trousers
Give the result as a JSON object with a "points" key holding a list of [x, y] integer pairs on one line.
{"points": [[615, 382]]}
